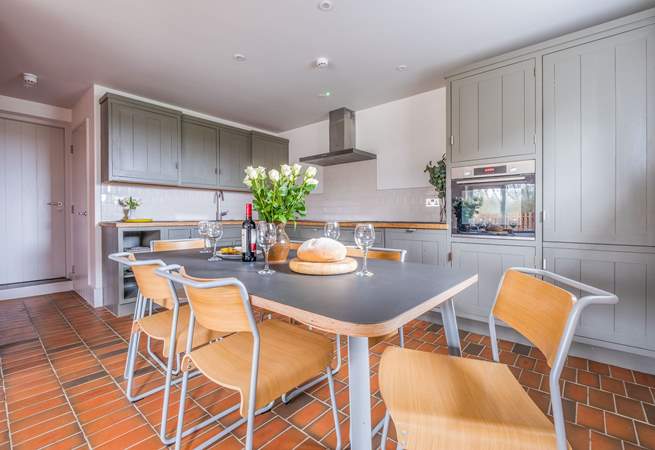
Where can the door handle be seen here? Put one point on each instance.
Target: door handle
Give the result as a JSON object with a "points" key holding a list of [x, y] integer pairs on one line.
{"points": [[57, 204], [83, 213]]}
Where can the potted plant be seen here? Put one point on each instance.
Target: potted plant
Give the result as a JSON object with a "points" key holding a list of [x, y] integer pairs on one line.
{"points": [[279, 197], [128, 204], [437, 174]]}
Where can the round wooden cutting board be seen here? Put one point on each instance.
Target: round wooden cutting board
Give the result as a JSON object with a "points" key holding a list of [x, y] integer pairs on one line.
{"points": [[346, 265]]}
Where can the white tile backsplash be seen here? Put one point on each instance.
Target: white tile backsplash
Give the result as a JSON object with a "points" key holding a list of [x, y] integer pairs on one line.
{"points": [[163, 203]]}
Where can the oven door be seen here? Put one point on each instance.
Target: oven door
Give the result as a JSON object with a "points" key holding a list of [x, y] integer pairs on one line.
{"points": [[501, 206]]}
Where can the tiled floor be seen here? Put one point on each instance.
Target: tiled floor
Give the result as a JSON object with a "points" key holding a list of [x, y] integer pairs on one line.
{"points": [[61, 377]]}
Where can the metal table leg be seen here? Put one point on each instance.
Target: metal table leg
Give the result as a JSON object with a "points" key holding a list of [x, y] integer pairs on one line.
{"points": [[450, 327], [359, 388]]}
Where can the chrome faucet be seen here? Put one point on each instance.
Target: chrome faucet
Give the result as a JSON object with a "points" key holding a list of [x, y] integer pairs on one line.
{"points": [[218, 199]]}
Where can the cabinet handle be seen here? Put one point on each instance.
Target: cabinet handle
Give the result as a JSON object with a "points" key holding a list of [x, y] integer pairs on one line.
{"points": [[410, 230], [216, 170]]}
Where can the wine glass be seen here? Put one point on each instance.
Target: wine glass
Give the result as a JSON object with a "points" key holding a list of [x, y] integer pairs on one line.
{"points": [[331, 230], [203, 226], [214, 233], [266, 237], [364, 238]]}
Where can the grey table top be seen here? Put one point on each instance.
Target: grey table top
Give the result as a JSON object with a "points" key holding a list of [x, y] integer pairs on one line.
{"points": [[394, 290]]}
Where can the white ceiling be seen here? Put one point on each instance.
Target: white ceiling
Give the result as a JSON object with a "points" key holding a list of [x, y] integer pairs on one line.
{"points": [[180, 52]]}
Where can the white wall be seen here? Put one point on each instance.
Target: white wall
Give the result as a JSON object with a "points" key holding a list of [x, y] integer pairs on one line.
{"points": [[405, 135]]}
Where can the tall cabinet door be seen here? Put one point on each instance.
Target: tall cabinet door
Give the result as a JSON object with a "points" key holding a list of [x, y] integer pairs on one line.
{"points": [[199, 154], [493, 113], [599, 141], [145, 144], [234, 156], [269, 151]]}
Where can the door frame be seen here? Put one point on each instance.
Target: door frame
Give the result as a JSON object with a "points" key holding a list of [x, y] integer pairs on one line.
{"points": [[87, 294], [65, 126]]}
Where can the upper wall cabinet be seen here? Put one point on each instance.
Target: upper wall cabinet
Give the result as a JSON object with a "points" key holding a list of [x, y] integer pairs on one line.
{"points": [[199, 153], [140, 142], [493, 113], [235, 155], [599, 141], [269, 151]]}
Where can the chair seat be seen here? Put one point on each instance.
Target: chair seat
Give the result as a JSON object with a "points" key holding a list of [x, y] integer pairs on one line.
{"points": [[440, 402], [158, 326], [289, 356]]}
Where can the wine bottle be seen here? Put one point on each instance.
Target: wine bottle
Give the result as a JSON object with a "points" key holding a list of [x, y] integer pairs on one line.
{"points": [[248, 237]]}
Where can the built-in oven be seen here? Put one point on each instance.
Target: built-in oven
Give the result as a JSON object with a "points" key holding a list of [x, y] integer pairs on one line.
{"points": [[495, 201]]}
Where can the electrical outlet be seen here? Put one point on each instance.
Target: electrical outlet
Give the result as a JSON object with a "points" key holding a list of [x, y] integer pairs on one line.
{"points": [[431, 202]]}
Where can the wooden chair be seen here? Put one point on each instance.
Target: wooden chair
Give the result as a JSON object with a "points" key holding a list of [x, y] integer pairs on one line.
{"points": [[164, 245], [169, 325], [261, 361], [439, 401]]}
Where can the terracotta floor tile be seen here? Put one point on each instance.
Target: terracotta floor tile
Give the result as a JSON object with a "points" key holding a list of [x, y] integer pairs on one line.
{"points": [[646, 434], [49, 436], [601, 399], [591, 417], [308, 414], [288, 440], [630, 408], [639, 392], [612, 385], [604, 442]]}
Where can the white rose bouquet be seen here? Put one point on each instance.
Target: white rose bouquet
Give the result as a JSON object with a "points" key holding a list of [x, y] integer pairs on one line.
{"points": [[279, 195]]}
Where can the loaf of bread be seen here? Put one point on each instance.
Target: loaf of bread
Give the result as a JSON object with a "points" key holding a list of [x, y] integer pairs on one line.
{"points": [[322, 250]]}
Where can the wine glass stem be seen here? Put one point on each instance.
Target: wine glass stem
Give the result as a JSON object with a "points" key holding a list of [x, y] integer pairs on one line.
{"points": [[215, 243], [365, 267], [266, 259]]}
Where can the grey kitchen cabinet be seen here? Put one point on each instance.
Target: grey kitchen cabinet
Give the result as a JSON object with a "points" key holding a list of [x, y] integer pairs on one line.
{"points": [[199, 165], [493, 113], [235, 154], [489, 261], [422, 246], [628, 274], [599, 123], [178, 233], [269, 151], [140, 143], [347, 235]]}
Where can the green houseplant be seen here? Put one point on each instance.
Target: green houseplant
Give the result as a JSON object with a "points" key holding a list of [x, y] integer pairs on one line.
{"points": [[279, 197], [437, 174], [128, 204]]}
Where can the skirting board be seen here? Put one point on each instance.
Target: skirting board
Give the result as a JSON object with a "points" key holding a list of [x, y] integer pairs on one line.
{"points": [[38, 289], [583, 350]]}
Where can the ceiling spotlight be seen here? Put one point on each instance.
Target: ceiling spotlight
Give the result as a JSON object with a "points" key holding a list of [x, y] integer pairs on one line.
{"points": [[325, 5], [325, 94], [30, 80], [401, 68], [239, 57], [321, 63]]}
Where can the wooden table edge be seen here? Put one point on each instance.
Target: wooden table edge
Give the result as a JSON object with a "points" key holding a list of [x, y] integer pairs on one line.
{"points": [[362, 330]]}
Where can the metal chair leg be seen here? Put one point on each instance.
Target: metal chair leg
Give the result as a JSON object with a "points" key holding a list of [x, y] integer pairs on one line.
{"points": [[381, 423], [385, 431], [333, 401], [135, 317]]}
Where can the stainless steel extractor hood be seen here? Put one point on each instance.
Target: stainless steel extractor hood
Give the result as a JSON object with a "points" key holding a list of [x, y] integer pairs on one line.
{"points": [[342, 142]]}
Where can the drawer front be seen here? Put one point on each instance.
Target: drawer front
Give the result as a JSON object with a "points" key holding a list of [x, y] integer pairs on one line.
{"points": [[179, 233]]}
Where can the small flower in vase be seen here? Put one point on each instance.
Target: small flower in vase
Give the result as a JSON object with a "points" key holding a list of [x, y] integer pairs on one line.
{"points": [[128, 204]]}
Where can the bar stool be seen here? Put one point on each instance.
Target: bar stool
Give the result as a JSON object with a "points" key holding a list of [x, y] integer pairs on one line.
{"points": [[261, 361], [439, 401], [168, 325]]}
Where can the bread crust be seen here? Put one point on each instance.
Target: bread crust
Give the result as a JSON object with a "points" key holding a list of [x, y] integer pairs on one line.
{"points": [[322, 250]]}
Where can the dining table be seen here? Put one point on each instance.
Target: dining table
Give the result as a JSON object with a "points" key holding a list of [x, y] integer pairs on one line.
{"points": [[348, 305]]}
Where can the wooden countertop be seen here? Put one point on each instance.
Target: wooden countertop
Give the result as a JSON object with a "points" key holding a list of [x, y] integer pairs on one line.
{"points": [[318, 223]]}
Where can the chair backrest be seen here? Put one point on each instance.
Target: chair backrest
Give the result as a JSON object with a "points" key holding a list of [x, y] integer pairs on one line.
{"points": [[389, 254], [220, 308], [535, 308], [176, 244], [150, 285]]}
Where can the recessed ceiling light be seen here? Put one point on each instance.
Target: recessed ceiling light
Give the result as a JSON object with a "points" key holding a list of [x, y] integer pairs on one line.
{"points": [[321, 62], [239, 57], [325, 5], [401, 68], [325, 94]]}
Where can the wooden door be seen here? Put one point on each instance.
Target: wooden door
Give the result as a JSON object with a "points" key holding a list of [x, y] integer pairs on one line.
{"points": [[199, 155], [599, 153], [234, 156], [32, 202], [145, 144], [630, 275], [489, 262], [80, 213], [493, 113]]}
